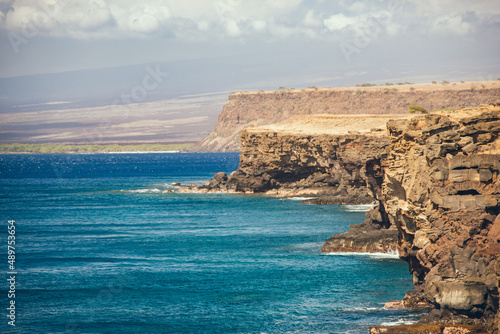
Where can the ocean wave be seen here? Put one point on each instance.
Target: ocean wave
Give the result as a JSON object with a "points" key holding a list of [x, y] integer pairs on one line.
{"points": [[298, 198], [357, 207], [362, 309], [142, 191], [101, 236], [308, 246], [398, 322], [392, 255]]}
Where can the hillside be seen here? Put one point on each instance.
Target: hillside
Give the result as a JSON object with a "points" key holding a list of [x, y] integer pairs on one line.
{"points": [[246, 109]]}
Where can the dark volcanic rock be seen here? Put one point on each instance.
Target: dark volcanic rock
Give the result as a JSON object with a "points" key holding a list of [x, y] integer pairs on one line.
{"points": [[429, 329], [365, 238], [312, 156], [372, 236], [442, 192], [413, 299]]}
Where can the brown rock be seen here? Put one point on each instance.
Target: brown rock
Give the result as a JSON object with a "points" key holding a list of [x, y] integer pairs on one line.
{"points": [[484, 138], [469, 148], [443, 207], [429, 329], [413, 299], [220, 177], [244, 110], [314, 152], [363, 238]]}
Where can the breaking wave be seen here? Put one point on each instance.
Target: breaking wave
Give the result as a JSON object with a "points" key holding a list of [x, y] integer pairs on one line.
{"points": [[357, 207]]}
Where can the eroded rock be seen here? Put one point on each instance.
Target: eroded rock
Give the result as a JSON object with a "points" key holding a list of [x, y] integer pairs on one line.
{"points": [[443, 200]]}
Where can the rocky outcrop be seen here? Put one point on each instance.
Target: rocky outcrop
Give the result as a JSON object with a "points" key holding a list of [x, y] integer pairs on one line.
{"points": [[429, 329], [375, 234], [442, 193], [246, 109], [368, 237], [332, 159]]}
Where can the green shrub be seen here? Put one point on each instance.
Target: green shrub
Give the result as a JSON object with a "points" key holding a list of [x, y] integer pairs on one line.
{"points": [[419, 109]]}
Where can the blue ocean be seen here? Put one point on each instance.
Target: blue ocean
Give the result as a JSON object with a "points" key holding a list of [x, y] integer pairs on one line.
{"points": [[101, 249]]}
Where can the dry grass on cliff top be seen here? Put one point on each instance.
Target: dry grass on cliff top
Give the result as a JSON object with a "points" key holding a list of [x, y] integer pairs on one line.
{"points": [[457, 114], [404, 87], [346, 124], [331, 124]]}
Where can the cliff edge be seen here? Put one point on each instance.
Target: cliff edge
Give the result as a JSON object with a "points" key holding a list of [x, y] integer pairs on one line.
{"points": [[442, 192], [333, 159], [246, 109]]}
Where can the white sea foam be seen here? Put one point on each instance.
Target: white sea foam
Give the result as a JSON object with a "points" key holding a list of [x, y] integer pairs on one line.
{"points": [[296, 198], [316, 246], [363, 309], [308, 245], [392, 255], [357, 207], [398, 322], [143, 191], [104, 236]]}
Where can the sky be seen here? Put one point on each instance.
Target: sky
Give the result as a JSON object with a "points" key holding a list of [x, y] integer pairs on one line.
{"points": [[70, 54], [47, 36]]}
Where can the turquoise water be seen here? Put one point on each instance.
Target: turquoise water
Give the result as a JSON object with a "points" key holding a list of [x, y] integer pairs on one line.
{"points": [[101, 250]]}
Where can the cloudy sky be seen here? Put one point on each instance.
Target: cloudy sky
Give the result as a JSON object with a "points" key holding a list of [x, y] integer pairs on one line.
{"points": [[412, 39]]}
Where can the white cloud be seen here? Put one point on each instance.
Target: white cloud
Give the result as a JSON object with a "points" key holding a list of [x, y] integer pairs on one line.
{"points": [[96, 16], [201, 20], [232, 28], [144, 18], [393, 29], [340, 21], [312, 20], [259, 25], [451, 23], [357, 6], [432, 8], [204, 25]]}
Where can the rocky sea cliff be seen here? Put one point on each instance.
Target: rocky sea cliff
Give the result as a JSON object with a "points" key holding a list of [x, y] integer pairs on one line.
{"points": [[442, 193], [246, 109]]}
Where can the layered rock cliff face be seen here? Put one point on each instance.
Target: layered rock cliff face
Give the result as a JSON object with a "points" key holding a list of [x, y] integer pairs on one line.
{"points": [[333, 159], [244, 110], [442, 192]]}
